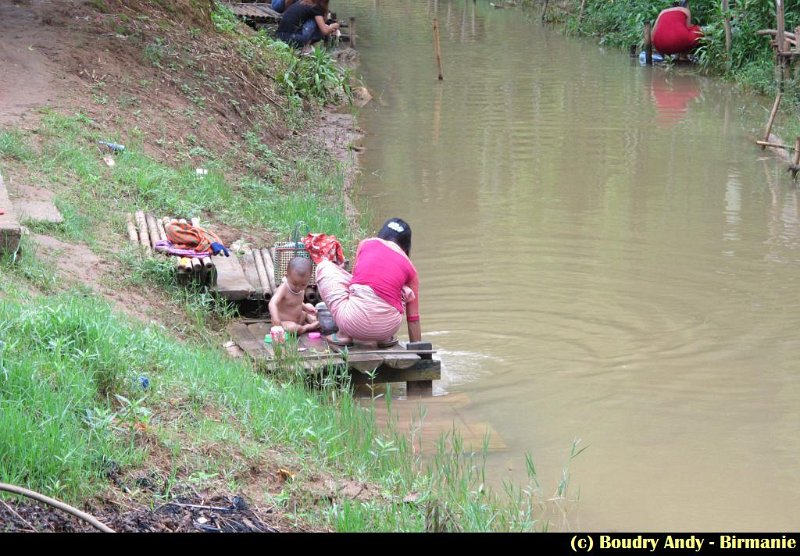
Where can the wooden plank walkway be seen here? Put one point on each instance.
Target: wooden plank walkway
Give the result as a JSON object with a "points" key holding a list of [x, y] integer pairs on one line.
{"points": [[255, 11], [231, 280], [367, 364]]}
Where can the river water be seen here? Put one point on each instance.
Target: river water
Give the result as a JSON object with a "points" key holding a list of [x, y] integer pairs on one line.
{"points": [[604, 255]]}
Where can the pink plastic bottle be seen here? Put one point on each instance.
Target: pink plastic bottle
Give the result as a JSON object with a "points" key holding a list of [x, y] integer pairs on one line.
{"points": [[278, 335]]}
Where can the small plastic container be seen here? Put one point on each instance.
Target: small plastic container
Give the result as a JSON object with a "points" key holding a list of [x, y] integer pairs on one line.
{"points": [[314, 335], [278, 335]]}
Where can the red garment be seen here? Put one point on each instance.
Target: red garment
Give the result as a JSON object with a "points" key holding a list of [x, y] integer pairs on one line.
{"points": [[188, 237], [321, 246], [672, 33], [384, 267], [672, 97]]}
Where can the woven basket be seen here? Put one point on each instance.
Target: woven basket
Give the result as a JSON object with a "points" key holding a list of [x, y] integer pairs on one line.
{"points": [[285, 251]]}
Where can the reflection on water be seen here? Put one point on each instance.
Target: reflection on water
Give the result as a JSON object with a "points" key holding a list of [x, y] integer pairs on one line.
{"points": [[672, 95], [603, 256]]}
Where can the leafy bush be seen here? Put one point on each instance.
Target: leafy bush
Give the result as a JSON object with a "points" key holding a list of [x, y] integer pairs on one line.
{"points": [[315, 77], [224, 20]]}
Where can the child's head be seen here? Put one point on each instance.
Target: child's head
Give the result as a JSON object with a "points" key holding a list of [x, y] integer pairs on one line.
{"points": [[298, 273]]}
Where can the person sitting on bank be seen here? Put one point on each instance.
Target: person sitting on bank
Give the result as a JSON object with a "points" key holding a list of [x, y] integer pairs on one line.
{"points": [[303, 23], [286, 308], [673, 32], [281, 5]]}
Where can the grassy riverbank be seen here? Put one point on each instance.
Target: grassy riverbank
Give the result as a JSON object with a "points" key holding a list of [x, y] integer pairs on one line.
{"points": [[83, 317]]}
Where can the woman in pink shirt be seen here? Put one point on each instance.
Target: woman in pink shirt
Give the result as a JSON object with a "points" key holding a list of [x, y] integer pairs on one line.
{"points": [[368, 305]]}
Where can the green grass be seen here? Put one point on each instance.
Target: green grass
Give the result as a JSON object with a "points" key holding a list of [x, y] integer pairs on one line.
{"points": [[93, 197], [70, 405], [24, 268]]}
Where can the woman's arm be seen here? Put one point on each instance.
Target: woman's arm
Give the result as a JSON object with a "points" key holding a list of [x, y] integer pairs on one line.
{"points": [[414, 331], [324, 28], [412, 311]]}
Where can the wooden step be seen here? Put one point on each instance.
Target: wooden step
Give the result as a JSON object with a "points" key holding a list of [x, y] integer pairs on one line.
{"points": [[231, 280], [10, 230]]}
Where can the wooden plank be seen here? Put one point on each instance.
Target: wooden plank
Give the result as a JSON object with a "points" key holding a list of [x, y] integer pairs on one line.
{"points": [[231, 281], [252, 346], [249, 266], [144, 235], [162, 232], [255, 10], [10, 229], [133, 235], [423, 370], [269, 266], [370, 361], [259, 330], [262, 272], [152, 229]]}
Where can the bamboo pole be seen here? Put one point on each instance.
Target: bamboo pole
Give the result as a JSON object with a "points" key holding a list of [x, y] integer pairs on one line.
{"points": [[727, 23], [261, 269], [133, 235], [789, 37], [795, 167], [353, 32], [144, 236], [648, 44], [152, 229], [162, 232], [437, 47], [97, 524], [772, 115], [195, 222], [780, 37], [797, 52], [196, 266], [269, 266], [207, 262], [774, 145]]}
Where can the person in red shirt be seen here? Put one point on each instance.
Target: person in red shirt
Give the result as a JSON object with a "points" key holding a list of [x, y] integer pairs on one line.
{"points": [[673, 32], [368, 305]]}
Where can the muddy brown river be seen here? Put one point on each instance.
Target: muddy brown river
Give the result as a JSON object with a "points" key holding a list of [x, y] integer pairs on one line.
{"points": [[604, 255]]}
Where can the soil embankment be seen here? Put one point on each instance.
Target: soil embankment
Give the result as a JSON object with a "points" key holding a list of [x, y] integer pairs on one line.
{"points": [[166, 82]]}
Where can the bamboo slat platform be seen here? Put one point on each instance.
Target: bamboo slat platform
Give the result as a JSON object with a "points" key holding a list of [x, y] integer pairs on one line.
{"points": [[409, 363], [146, 230], [256, 11], [246, 275]]}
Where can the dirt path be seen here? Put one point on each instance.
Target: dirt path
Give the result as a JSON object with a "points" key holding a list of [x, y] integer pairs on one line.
{"points": [[28, 70]]}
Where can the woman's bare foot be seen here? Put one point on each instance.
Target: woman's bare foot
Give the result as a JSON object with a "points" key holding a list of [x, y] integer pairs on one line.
{"points": [[340, 340]]}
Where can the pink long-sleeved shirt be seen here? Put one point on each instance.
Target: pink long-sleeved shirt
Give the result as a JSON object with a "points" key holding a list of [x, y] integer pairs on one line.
{"points": [[384, 267]]}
